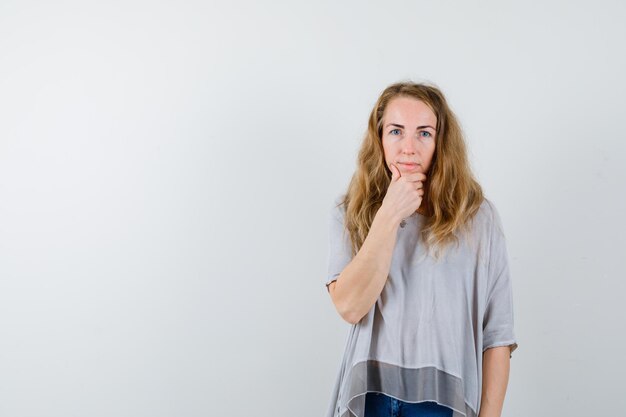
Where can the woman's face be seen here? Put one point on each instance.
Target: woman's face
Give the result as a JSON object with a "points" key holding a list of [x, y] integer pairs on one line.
{"points": [[408, 135]]}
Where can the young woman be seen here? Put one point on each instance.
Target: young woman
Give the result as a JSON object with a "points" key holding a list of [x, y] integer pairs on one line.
{"points": [[418, 265]]}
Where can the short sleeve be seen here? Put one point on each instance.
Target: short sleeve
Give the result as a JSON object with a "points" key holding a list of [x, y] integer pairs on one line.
{"points": [[498, 328], [339, 246]]}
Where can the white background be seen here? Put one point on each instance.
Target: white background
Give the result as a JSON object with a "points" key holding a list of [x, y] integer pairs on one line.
{"points": [[167, 170]]}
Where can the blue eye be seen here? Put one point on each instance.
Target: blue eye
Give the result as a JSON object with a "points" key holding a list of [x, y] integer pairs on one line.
{"points": [[395, 130], [428, 133]]}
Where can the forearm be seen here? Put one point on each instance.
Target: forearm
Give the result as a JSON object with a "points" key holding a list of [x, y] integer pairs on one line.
{"points": [[362, 280], [496, 366]]}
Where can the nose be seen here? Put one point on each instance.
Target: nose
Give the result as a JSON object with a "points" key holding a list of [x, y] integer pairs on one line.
{"points": [[408, 145]]}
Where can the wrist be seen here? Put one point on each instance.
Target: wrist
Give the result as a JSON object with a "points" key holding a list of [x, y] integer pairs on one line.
{"points": [[383, 216]]}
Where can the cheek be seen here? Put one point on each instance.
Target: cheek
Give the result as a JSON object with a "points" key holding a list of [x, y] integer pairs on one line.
{"points": [[390, 146], [431, 151], [388, 150], [428, 155]]}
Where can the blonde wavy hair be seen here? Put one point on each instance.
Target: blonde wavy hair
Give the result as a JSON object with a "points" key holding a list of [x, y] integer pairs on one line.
{"points": [[452, 196]]}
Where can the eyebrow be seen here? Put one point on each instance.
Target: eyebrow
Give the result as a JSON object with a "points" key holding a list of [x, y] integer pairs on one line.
{"points": [[402, 127]]}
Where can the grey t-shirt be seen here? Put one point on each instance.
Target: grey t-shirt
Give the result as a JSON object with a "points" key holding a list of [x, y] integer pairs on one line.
{"points": [[424, 337]]}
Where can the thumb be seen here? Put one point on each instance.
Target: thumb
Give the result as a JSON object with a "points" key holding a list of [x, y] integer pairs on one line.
{"points": [[395, 172]]}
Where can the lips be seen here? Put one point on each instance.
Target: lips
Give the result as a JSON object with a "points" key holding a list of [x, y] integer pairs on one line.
{"points": [[408, 165]]}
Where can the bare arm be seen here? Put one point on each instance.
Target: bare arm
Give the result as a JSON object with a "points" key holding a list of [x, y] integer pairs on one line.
{"points": [[496, 365], [360, 283]]}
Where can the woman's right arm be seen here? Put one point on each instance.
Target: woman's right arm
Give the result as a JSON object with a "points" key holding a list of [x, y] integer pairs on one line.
{"points": [[360, 283]]}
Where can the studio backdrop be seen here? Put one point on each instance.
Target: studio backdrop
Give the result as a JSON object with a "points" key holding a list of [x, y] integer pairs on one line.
{"points": [[167, 170]]}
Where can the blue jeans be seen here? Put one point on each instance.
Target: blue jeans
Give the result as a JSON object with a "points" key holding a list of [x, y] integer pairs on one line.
{"points": [[380, 405]]}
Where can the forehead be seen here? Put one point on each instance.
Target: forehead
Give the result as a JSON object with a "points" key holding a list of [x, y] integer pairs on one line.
{"points": [[409, 109]]}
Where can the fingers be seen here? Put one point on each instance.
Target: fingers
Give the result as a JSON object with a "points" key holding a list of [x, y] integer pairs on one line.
{"points": [[405, 191], [416, 176], [416, 179], [410, 177], [395, 172]]}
